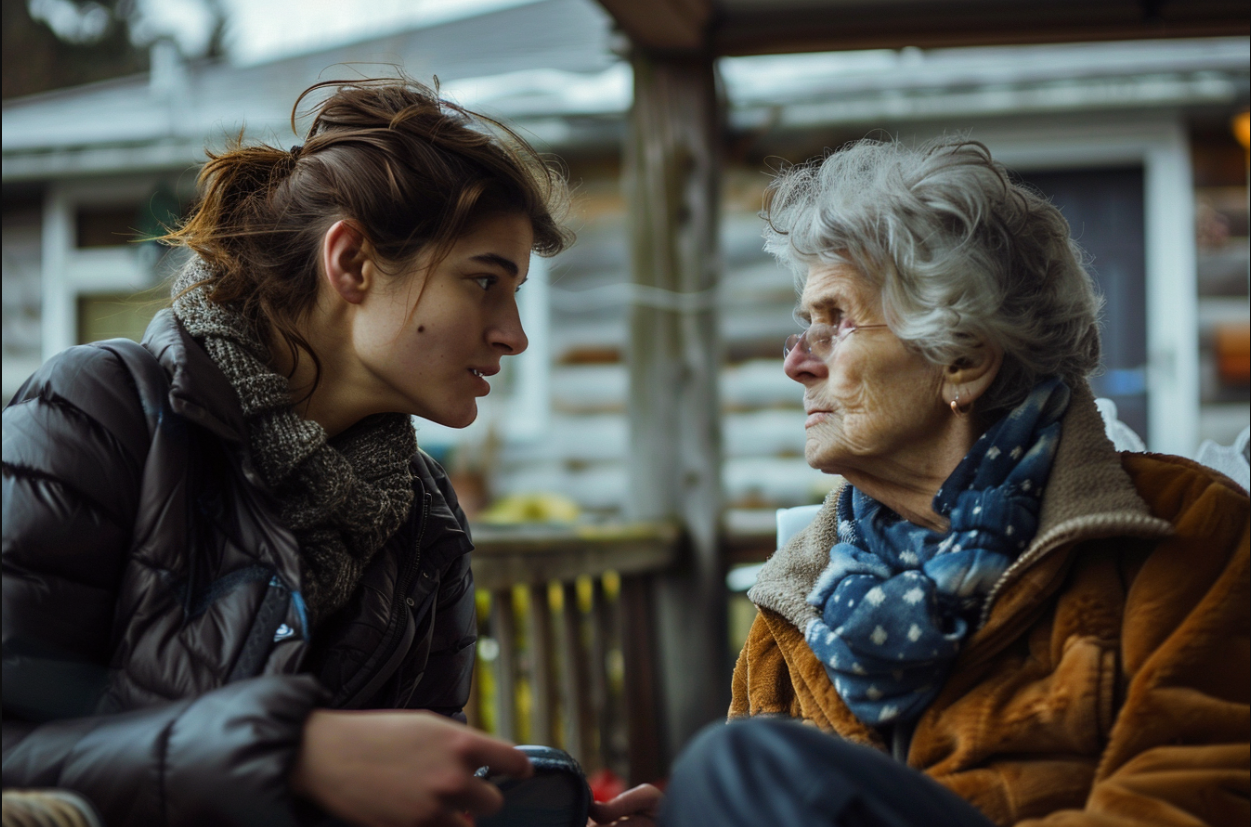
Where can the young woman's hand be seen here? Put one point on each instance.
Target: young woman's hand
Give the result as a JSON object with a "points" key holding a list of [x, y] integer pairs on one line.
{"points": [[382, 769], [635, 807]]}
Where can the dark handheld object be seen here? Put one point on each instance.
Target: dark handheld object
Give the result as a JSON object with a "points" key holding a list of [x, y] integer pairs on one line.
{"points": [[556, 795]]}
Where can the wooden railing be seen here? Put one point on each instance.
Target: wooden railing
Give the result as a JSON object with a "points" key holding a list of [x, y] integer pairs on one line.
{"points": [[566, 653]]}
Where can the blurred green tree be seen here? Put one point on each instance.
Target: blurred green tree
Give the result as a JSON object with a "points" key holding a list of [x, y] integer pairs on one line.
{"points": [[52, 44]]}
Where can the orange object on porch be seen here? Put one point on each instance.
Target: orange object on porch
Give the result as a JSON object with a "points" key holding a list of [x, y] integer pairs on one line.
{"points": [[1233, 353]]}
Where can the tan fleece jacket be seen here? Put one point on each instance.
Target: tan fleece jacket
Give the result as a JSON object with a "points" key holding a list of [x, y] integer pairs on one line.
{"points": [[1109, 681]]}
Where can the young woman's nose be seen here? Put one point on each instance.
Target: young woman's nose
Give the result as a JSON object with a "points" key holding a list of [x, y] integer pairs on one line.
{"points": [[507, 335], [802, 366]]}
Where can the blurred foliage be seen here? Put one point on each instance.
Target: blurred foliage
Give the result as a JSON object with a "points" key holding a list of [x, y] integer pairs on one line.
{"points": [[39, 59]]}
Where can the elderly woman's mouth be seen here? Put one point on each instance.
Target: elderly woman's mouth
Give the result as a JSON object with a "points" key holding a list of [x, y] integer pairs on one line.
{"points": [[815, 417]]}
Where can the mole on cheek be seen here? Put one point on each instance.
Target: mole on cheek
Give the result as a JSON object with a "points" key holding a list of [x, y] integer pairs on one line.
{"points": [[421, 328]]}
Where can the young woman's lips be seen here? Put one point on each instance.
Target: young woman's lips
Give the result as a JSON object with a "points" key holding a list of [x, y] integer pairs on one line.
{"points": [[480, 374]]}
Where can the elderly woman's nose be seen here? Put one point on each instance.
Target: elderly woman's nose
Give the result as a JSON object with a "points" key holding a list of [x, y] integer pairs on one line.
{"points": [[803, 366]]}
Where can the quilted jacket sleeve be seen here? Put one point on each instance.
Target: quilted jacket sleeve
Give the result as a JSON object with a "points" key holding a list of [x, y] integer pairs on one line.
{"points": [[445, 686], [1179, 752], [219, 759], [75, 439], [75, 442]]}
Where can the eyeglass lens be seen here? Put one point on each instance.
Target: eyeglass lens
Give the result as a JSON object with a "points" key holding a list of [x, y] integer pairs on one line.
{"points": [[818, 339]]}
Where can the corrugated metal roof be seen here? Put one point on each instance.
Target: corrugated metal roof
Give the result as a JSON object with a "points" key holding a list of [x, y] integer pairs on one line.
{"points": [[882, 86], [758, 80]]}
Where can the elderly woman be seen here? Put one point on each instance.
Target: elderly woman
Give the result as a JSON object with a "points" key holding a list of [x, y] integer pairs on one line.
{"points": [[1035, 628]]}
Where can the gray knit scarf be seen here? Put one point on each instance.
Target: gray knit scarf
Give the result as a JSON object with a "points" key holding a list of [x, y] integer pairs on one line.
{"points": [[342, 498]]}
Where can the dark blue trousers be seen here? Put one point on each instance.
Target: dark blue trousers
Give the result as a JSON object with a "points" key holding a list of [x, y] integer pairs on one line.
{"points": [[771, 772]]}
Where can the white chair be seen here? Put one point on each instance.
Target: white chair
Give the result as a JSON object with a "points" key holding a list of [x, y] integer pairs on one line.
{"points": [[1122, 436], [1230, 460], [790, 521]]}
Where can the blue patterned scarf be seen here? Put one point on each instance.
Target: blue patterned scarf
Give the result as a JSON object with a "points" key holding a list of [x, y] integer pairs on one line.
{"points": [[897, 600]]}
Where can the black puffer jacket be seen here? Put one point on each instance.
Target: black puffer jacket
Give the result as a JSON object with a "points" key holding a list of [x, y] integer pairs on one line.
{"points": [[156, 653]]}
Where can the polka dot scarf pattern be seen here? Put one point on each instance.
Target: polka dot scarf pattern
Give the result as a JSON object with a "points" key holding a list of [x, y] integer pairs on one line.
{"points": [[897, 600]]}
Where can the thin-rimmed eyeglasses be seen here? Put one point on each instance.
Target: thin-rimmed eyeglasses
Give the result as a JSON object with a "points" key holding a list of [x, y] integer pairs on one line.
{"points": [[821, 340]]}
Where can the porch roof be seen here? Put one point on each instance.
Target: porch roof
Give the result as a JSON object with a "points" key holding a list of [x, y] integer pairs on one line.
{"points": [[742, 27]]}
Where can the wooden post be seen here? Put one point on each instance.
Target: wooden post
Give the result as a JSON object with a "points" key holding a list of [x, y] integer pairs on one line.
{"points": [[543, 716], [504, 627], [601, 630], [671, 183], [644, 760], [578, 716]]}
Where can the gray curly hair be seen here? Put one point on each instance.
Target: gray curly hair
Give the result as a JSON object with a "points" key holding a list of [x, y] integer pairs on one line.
{"points": [[959, 253]]}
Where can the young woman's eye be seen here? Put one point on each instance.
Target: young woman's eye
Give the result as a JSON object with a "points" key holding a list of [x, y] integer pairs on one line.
{"points": [[485, 282]]}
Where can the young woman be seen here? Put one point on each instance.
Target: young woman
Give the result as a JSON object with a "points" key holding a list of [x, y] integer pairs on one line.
{"points": [[223, 551]]}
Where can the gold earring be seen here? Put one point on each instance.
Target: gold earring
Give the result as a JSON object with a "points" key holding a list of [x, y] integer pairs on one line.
{"points": [[955, 406]]}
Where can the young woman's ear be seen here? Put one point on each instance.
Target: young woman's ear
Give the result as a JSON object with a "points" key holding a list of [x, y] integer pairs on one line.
{"points": [[347, 261], [971, 376]]}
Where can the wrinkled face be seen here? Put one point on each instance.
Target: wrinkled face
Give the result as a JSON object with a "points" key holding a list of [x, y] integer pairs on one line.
{"points": [[432, 336], [873, 404]]}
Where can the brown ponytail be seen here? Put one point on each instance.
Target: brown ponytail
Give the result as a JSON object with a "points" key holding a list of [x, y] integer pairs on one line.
{"points": [[412, 170]]}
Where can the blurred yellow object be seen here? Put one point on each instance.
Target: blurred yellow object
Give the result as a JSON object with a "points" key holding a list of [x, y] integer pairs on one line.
{"points": [[537, 507], [1241, 125]]}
